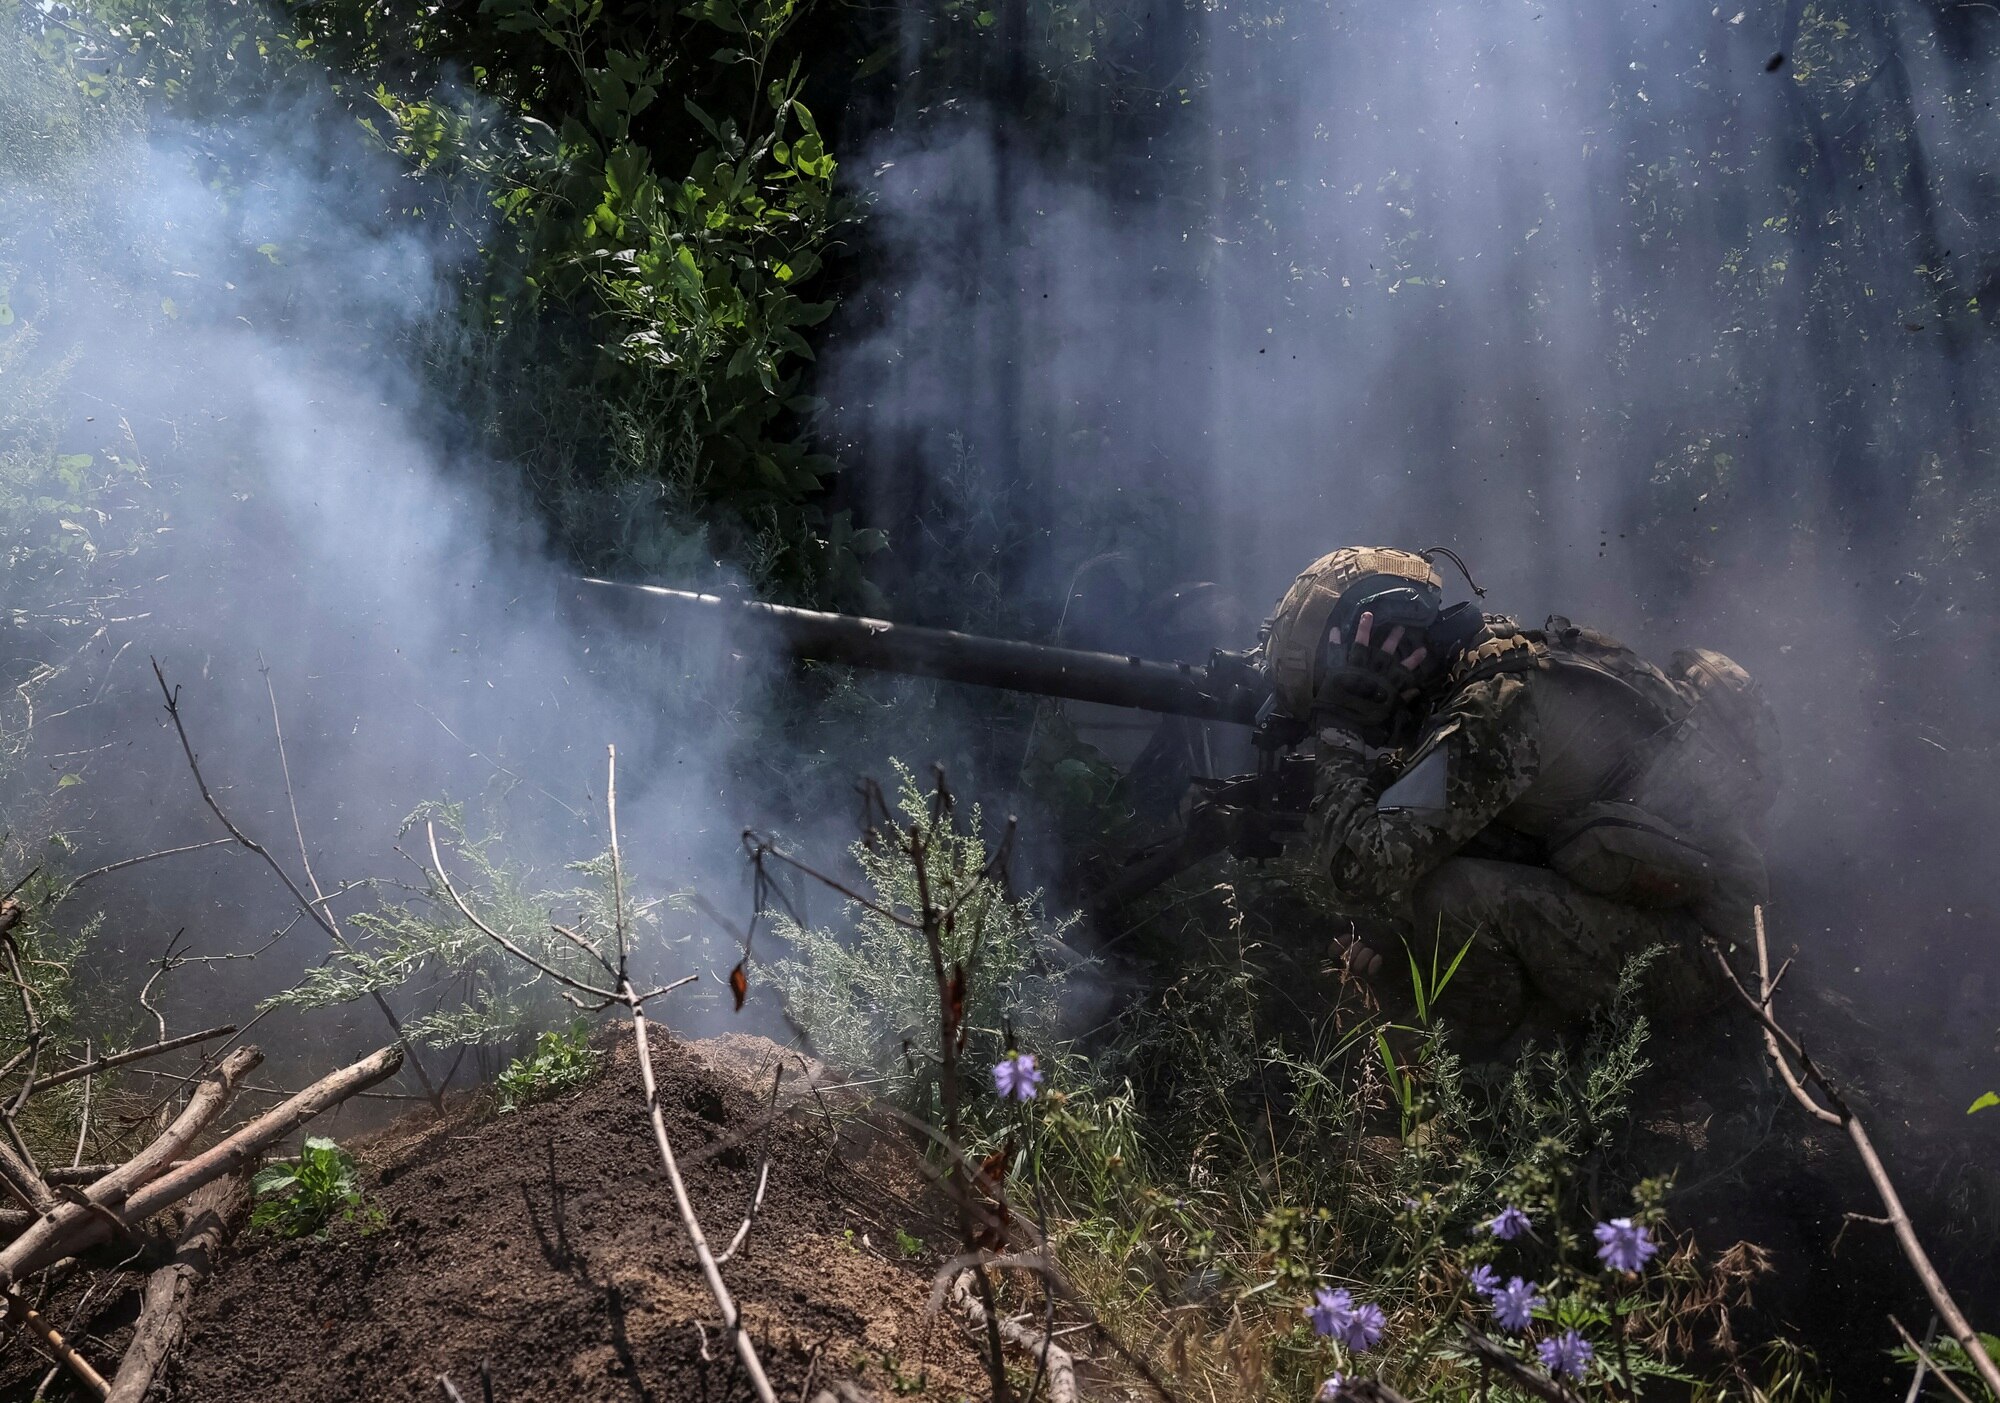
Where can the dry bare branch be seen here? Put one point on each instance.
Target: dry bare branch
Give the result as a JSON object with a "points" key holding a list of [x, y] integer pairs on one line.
{"points": [[732, 1318], [92, 1222], [118, 866], [323, 919], [1781, 1045], [132, 1054], [444, 879], [1924, 1361], [1056, 1361]]}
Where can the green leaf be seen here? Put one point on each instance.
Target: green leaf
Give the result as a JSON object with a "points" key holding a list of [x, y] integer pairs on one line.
{"points": [[1985, 1103], [274, 1179]]}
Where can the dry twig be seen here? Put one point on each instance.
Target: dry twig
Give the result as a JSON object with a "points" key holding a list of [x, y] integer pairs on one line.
{"points": [[312, 906], [22, 1315], [1784, 1049], [107, 1207], [89, 1068], [1924, 1361], [1055, 1361], [625, 995]]}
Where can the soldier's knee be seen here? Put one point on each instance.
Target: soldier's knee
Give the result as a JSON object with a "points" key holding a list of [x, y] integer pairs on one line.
{"points": [[1463, 894]]}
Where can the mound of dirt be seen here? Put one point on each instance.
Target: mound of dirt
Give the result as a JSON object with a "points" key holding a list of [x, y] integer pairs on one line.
{"points": [[545, 1245]]}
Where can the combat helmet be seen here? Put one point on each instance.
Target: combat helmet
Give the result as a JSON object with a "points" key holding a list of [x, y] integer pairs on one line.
{"points": [[1314, 675]]}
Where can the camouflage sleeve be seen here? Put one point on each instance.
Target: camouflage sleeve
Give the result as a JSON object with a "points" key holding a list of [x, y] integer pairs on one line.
{"points": [[1486, 735]]}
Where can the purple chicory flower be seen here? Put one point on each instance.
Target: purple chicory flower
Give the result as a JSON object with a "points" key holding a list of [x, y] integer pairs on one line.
{"points": [[1514, 1304], [1330, 1311], [1483, 1279], [1510, 1224], [1330, 1391], [1016, 1077], [1334, 1313], [1623, 1245], [1365, 1328], [1567, 1354]]}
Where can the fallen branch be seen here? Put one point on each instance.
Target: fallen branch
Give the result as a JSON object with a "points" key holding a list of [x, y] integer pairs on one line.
{"points": [[1782, 1046], [93, 1214], [94, 1222], [1060, 1367], [213, 1215]]}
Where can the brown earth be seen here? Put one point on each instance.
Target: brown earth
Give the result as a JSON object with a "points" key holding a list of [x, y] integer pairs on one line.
{"points": [[545, 1245]]}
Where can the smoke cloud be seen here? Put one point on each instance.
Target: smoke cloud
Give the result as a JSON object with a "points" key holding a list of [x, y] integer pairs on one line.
{"points": [[1664, 335], [228, 324]]}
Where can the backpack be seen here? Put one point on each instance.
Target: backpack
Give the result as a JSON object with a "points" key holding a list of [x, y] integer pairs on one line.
{"points": [[1715, 751]]}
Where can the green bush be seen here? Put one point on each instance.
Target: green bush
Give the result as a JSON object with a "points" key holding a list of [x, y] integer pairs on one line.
{"points": [[307, 1196], [560, 1063], [866, 995], [498, 998]]}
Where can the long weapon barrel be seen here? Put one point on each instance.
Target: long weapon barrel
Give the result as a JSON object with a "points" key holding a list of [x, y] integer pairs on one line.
{"points": [[1225, 690]]}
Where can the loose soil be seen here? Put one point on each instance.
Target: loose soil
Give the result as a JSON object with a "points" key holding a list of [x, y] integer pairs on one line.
{"points": [[544, 1245]]}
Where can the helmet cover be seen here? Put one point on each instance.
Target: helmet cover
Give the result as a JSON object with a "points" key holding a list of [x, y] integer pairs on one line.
{"points": [[1308, 675]]}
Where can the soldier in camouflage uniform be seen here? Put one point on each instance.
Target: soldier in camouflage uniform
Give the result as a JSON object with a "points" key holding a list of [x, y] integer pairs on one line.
{"points": [[1545, 795]]}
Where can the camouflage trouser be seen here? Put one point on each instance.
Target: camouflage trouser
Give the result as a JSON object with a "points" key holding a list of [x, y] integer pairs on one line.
{"points": [[1545, 952]]}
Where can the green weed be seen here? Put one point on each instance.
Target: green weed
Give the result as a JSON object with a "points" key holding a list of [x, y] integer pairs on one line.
{"points": [[308, 1196], [560, 1063]]}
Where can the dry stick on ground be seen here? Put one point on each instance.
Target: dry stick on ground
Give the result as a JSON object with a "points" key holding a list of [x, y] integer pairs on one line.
{"points": [[98, 1202], [626, 996], [20, 1314], [98, 1219], [213, 1214], [104, 1197], [1784, 1049], [320, 918]]}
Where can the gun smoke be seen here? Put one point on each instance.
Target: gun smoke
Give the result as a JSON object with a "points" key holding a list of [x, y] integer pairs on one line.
{"points": [[1319, 275]]}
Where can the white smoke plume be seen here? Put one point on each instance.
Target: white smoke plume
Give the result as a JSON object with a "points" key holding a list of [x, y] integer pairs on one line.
{"points": [[1598, 294]]}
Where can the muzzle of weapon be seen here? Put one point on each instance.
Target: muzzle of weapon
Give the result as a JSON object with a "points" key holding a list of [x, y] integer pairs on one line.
{"points": [[1229, 688]]}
